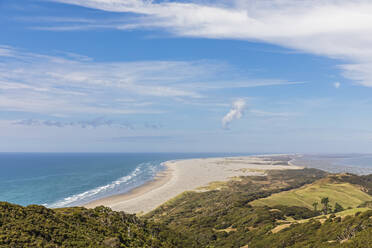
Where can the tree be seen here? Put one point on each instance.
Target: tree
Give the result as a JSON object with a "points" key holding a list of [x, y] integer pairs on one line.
{"points": [[315, 205], [338, 208], [325, 202]]}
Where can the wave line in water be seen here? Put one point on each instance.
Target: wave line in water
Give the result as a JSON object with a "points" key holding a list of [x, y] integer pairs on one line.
{"points": [[142, 171]]}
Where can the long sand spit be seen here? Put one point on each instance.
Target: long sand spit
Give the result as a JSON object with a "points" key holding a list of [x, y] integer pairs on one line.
{"points": [[190, 174]]}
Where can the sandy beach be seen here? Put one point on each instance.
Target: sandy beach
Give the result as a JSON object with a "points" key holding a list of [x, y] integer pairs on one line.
{"points": [[191, 174]]}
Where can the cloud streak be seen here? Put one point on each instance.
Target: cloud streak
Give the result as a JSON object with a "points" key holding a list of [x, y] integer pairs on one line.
{"points": [[236, 112], [94, 123], [73, 84], [338, 29]]}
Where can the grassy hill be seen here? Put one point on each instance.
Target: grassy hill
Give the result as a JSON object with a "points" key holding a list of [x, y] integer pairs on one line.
{"points": [[225, 218], [273, 211], [346, 194]]}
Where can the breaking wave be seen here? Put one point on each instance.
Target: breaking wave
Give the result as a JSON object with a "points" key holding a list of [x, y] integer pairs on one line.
{"points": [[142, 173]]}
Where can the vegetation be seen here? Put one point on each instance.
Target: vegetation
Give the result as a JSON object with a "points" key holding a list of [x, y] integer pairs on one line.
{"points": [[338, 208], [350, 231], [325, 203], [232, 217], [327, 191], [363, 182], [225, 217], [294, 208], [37, 226], [315, 205]]}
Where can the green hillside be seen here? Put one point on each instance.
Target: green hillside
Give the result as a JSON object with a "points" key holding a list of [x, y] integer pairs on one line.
{"points": [[225, 218], [346, 194], [230, 216], [37, 226]]}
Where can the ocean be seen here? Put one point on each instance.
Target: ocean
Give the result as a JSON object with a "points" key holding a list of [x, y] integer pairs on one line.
{"points": [[360, 164], [71, 179]]}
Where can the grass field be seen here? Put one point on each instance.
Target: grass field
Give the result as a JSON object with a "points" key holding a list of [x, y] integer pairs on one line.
{"points": [[321, 218], [347, 195]]}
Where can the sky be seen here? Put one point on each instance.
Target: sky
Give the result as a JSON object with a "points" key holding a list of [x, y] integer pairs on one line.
{"points": [[252, 76]]}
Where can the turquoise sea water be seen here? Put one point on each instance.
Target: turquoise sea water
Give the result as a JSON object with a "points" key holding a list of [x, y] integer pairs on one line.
{"points": [[58, 180]]}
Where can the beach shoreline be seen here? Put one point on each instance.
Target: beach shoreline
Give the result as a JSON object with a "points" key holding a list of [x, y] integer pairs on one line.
{"points": [[161, 178], [190, 174]]}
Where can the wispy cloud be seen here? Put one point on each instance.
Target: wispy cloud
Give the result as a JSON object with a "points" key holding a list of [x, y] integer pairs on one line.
{"points": [[74, 84], [236, 112], [94, 123], [336, 85], [335, 28]]}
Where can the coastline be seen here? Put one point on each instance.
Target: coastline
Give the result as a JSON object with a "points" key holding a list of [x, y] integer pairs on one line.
{"points": [[190, 174], [159, 180]]}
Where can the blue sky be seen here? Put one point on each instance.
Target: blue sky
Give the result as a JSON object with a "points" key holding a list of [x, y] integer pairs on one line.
{"points": [[185, 76]]}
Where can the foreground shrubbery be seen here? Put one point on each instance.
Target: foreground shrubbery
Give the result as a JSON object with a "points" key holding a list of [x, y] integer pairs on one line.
{"points": [[352, 231], [37, 226]]}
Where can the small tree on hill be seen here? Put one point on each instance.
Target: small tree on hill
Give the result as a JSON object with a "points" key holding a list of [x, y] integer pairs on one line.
{"points": [[315, 205], [338, 208], [325, 202]]}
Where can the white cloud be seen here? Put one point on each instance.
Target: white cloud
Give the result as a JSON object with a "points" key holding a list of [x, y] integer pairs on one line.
{"points": [[6, 51], [337, 85], [76, 84], [71, 83], [339, 29], [236, 112], [93, 123]]}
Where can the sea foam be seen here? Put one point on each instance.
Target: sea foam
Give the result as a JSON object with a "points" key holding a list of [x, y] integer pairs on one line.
{"points": [[142, 173]]}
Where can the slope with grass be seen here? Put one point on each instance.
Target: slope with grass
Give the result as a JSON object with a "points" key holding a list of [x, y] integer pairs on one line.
{"points": [[346, 194], [352, 231], [273, 211], [223, 217]]}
